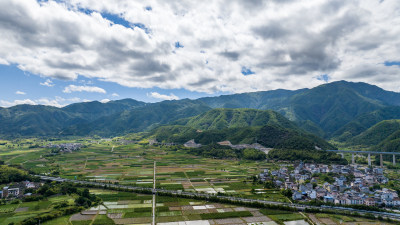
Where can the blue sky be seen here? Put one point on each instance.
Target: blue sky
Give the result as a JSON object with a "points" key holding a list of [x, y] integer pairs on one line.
{"points": [[151, 51], [16, 80]]}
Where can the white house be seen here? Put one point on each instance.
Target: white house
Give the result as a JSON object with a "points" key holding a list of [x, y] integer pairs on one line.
{"points": [[297, 195]]}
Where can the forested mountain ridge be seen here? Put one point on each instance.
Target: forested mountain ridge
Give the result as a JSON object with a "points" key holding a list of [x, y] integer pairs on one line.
{"points": [[377, 133], [230, 118], [339, 110], [383, 136], [139, 119], [240, 126], [364, 121], [323, 110], [39, 120]]}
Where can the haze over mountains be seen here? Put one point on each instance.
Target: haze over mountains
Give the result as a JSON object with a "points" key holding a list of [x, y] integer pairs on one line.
{"points": [[338, 110]]}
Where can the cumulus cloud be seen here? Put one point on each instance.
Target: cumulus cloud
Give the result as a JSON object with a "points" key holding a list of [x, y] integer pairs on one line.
{"points": [[287, 43], [73, 88], [4, 103], [162, 97], [115, 95], [56, 102], [105, 100], [47, 83], [20, 93]]}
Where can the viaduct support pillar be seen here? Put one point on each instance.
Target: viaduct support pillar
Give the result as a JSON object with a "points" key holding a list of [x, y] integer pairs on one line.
{"points": [[381, 160], [369, 159], [353, 159], [394, 160]]}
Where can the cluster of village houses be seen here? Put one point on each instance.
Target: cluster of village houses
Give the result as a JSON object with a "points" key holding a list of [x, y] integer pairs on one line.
{"points": [[343, 191], [18, 190], [65, 147]]}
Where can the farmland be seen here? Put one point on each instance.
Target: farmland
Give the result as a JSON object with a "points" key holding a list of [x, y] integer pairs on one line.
{"points": [[14, 213], [131, 208], [132, 164]]}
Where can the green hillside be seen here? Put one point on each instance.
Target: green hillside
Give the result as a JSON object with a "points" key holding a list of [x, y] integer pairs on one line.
{"points": [[275, 100], [240, 126], [138, 119], [327, 110], [38, 120], [269, 136], [331, 106], [231, 118], [94, 110], [390, 144], [377, 133], [365, 121], [338, 110]]}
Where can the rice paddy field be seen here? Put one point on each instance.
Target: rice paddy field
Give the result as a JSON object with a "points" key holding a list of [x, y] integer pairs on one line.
{"points": [[14, 213], [130, 208], [133, 165]]}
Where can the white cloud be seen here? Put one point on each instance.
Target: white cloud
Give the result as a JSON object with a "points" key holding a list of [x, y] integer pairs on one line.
{"points": [[286, 43], [47, 83], [56, 102], [115, 95], [20, 93], [4, 103], [105, 100], [73, 88], [162, 97]]}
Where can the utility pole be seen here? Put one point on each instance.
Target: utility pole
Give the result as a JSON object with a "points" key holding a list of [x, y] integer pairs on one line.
{"points": [[154, 193]]}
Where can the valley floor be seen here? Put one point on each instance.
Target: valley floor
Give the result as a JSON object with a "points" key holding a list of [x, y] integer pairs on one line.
{"points": [[132, 164]]}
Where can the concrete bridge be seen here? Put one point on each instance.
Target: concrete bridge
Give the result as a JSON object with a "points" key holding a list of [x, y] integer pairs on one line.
{"points": [[369, 155]]}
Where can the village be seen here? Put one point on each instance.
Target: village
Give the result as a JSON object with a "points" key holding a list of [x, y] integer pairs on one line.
{"points": [[19, 189], [64, 147], [334, 184]]}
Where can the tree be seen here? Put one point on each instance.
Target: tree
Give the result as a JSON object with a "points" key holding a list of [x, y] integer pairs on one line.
{"points": [[269, 185], [287, 192]]}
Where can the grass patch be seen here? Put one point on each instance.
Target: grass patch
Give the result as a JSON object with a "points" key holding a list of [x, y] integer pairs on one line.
{"points": [[60, 220], [171, 213], [286, 217], [336, 217], [103, 220], [117, 196], [8, 208], [82, 222], [209, 216], [172, 186], [273, 212], [196, 173], [136, 214]]}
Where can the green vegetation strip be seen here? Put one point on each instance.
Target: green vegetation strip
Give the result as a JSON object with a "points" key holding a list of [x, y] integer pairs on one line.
{"points": [[286, 217], [224, 215], [103, 220], [273, 212], [149, 209]]}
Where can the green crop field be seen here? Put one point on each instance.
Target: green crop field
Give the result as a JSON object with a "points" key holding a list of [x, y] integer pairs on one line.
{"points": [[132, 164]]}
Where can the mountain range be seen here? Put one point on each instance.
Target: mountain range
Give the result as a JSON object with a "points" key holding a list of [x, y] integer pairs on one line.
{"points": [[240, 126], [337, 111]]}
